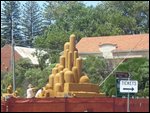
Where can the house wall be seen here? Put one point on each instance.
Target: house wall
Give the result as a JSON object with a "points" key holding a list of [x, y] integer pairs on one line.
{"points": [[107, 50], [6, 58], [117, 57], [133, 54]]}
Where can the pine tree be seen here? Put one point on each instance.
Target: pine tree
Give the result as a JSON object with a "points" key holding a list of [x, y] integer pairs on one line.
{"points": [[10, 18], [31, 22]]}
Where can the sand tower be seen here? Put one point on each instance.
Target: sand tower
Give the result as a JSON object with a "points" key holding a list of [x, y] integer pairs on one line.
{"points": [[67, 78]]}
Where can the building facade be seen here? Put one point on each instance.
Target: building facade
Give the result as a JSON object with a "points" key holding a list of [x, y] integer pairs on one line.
{"points": [[115, 48]]}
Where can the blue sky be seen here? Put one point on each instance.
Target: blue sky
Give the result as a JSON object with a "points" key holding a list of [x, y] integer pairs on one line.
{"points": [[93, 3], [88, 3]]}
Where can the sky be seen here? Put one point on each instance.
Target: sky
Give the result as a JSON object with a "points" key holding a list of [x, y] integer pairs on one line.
{"points": [[93, 3], [88, 3]]}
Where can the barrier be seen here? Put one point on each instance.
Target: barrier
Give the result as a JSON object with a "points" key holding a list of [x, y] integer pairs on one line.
{"points": [[90, 104], [3, 106]]}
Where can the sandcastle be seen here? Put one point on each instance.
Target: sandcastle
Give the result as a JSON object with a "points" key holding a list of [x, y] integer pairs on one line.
{"points": [[10, 92], [67, 78]]}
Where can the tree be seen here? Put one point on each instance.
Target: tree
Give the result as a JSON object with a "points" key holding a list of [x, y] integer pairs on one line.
{"points": [[96, 68], [65, 18], [109, 86], [69, 16], [43, 58], [139, 70], [3, 41], [7, 79], [10, 19], [52, 42], [134, 15], [25, 73], [31, 22], [52, 10], [21, 67]]}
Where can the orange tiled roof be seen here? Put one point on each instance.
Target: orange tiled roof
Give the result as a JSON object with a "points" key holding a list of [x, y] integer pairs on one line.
{"points": [[135, 42]]}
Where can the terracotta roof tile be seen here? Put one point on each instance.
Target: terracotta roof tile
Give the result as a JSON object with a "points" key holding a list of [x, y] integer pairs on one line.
{"points": [[123, 43]]}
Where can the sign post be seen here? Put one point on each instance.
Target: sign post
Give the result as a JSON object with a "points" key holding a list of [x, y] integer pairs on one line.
{"points": [[120, 76], [128, 86], [128, 101]]}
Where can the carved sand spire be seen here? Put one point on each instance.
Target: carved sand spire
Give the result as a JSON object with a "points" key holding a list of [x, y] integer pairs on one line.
{"points": [[67, 77]]}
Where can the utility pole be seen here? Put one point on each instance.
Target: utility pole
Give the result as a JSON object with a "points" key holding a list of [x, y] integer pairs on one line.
{"points": [[12, 55]]}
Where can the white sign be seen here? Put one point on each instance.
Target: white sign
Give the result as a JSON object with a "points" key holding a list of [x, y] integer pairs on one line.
{"points": [[128, 86]]}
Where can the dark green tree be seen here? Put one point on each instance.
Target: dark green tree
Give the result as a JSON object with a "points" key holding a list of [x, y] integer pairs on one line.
{"points": [[43, 58], [52, 10], [138, 69], [52, 42], [134, 15], [65, 18], [69, 16], [25, 73], [96, 68], [10, 19], [20, 68], [109, 86], [32, 19], [3, 41]]}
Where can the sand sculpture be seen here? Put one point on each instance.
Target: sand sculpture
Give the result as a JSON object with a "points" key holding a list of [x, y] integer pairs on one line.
{"points": [[67, 78], [10, 92]]}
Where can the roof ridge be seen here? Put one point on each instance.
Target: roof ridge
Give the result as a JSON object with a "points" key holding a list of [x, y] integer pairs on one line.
{"points": [[117, 35]]}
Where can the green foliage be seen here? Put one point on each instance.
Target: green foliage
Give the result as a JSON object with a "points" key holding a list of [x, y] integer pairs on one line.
{"points": [[107, 18], [20, 68], [112, 91], [139, 70], [109, 86], [146, 92], [62, 18], [3, 74], [52, 42], [7, 79], [10, 10], [26, 73], [43, 58], [134, 16], [31, 21], [65, 18], [105, 21], [24, 63], [96, 68], [3, 41], [70, 17]]}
